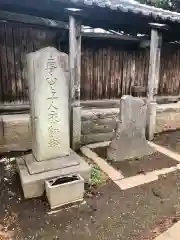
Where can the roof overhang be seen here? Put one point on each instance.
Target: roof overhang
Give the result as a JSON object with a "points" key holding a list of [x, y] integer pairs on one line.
{"points": [[128, 16]]}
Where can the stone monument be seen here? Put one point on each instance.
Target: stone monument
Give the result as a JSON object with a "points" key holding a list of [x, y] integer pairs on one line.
{"points": [[47, 75], [129, 141]]}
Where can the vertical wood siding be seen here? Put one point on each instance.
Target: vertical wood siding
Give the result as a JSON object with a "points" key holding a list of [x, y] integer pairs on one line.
{"points": [[108, 69], [111, 71], [170, 71], [15, 42]]}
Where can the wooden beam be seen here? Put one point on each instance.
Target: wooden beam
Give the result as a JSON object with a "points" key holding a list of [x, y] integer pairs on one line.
{"points": [[72, 57], [154, 63], [31, 20], [75, 79], [78, 64], [153, 78], [111, 36], [74, 60]]}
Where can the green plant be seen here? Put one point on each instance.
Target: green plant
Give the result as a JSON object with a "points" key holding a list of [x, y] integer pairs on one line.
{"points": [[96, 177]]}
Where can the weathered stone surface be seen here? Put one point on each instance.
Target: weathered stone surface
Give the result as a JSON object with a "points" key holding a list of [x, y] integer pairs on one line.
{"points": [[17, 128], [94, 114], [96, 127], [76, 128], [100, 137], [49, 99], [49, 93], [35, 167], [65, 193], [151, 120], [168, 117], [16, 133], [129, 140]]}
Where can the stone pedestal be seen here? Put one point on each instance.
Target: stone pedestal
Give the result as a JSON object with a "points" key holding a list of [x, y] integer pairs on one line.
{"points": [[129, 141], [47, 71], [33, 185]]}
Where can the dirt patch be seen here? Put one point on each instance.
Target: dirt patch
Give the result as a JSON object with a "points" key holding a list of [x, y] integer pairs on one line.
{"points": [[132, 167], [108, 214], [169, 139], [100, 151], [145, 164]]}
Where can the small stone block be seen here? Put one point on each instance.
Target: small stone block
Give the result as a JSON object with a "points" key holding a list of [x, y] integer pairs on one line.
{"points": [[135, 181], [64, 190]]}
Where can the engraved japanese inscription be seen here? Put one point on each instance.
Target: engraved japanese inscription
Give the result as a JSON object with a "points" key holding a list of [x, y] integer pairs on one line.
{"points": [[53, 111], [49, 103]]}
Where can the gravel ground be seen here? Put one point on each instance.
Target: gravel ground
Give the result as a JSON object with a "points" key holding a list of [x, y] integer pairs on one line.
{"points": [[107, 213]]}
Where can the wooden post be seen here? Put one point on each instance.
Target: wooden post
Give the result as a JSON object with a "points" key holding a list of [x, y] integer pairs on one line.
{"points": [[75, 78], [78, 67], [153, 78], [154, 63], [72, 58]]}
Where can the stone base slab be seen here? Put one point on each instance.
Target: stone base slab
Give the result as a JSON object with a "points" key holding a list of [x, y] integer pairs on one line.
{"points": [[34, 185], [35, 167]]}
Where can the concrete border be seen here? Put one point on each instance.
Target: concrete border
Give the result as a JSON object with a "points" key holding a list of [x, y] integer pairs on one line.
{"points": [[172, 233], [165, 151], [112, 173], [125, 183], [100, 144], [117, 176], [141, 179]]}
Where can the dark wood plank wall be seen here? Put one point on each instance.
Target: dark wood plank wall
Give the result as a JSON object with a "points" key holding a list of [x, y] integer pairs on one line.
{"points": [[170, 71], [15, 42], [108, 69], [111, 71]]}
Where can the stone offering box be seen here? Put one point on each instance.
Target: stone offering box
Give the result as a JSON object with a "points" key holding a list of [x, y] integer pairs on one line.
{"points": [[64, 190]]}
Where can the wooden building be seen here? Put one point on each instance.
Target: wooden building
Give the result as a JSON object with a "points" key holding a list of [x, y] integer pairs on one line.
{"points": [[110, 65]]}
